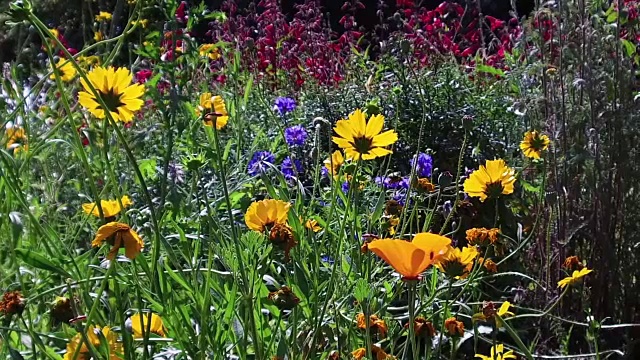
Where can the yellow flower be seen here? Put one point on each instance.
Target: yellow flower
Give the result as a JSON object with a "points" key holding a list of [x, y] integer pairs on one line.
{"points": [[362, 140], [491, 180], [88, 61], [214, 109], [103, 16], [81, 352], [119, 235], [66, 69], [210, 51], [98, 36], [266, 213], [114, 86], [503, 312], [575, 277], [140, 322], [17, 139], [55, 33], [312, 225], [142, 22], [334, 163], [534, 143], [457, 262], [110, 208], [498, 353]]}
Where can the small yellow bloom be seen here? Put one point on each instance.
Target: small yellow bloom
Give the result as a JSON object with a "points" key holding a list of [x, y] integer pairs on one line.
{"points": [[498, 353], [142, 22], [103, 16], [214, 110], [334, 163], [266, 213], [88, 61], [575, 277], [457, 262], [66, 69], [363, 140], [81, 352], [491, 180], [534, 143], [110, 208], [17, 139], [312, 225], [98, 36], [119, 235], [140, 322], [122, 99], [210, 51]]}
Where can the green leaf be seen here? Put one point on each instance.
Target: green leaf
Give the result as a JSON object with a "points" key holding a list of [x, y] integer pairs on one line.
{"points": [[481, 68], [629, 47], [612, 17], [40, 261], [148, 168], [362, 290]]}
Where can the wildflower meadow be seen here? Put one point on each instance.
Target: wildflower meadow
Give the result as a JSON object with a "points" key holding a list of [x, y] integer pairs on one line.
{"points": [[300, 180]]}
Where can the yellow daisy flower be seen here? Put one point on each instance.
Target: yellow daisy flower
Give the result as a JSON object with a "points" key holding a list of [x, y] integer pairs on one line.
{"points": [[81, 352], [66, 69], [210, 51], [503, 312], [110, 208], [17, 139], [334, 163], [119, 235], [140, 322], [457, 262], [114, 86], [103, 16], [98, 36], [534, 143], [574, 278], [266, 213], [214, 110], [362, 140], [491, 180], [498, 353]]}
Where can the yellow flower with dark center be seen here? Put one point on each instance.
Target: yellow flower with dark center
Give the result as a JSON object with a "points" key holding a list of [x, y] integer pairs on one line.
{"points": [[498, 353], [209, 50], [334, 163], [140, 323], [375, 323], [265, 214], [114, 86], [533, 144], [66, 69], [103, 16], [214, 110], [119, 235], [574, 278], [456, 262], [453, 327], [491, 180], [110, 208], [81, 352], [363, 140], [17, 139]]}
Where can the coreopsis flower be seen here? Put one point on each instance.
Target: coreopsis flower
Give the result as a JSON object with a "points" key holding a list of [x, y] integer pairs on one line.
{"points": [[498, 353], [375, 323], [410, 259], [312, 225], [209, 51], [576, 276], [295, 135], [363, 140], [114, 86], [66, 69], [422, 327], [482, 236], [572, 263], [140, 322], [503, 312], [263, 215], [376, 351], [455, 262], [214, 110], [453, 327], [284, 298], [491, 180], [334, 163], [78, 350], [110, 208], [12, 303], [423, 164], [17, 139], [260, 163], [284, 105], [119, 235], [533, 144], [103, 16]]}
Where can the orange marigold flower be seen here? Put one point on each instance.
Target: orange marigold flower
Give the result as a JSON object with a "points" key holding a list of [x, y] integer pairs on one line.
{"points": [[375, 323], [422, 327], [12, 303], [119, 235], [284, 299], [572, 263], [454, 327], [490, 265], [482, 236], [281, 235], [424, 185], [376, 351]]}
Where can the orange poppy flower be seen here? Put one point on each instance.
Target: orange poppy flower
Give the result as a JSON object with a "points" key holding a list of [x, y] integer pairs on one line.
{"points": [[411, 258]]}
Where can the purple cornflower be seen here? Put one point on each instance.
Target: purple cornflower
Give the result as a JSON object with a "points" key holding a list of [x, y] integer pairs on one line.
{"points": [[284, 105], [288, 170], [424, 166], [176, 173], [260, 162], [295, 135], [345, 187], [392, 182]]}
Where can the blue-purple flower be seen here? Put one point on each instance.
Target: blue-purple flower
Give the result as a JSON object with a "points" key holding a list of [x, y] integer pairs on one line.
{"points": [[295, 135], [291, 168], [284, 105], [424, 165], [260, 162], [392, 182]]}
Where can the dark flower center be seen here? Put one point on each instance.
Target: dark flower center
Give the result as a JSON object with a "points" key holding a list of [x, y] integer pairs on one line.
{"points": [[112, 100], [537, 143], [494, 190], [362, 144]]}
